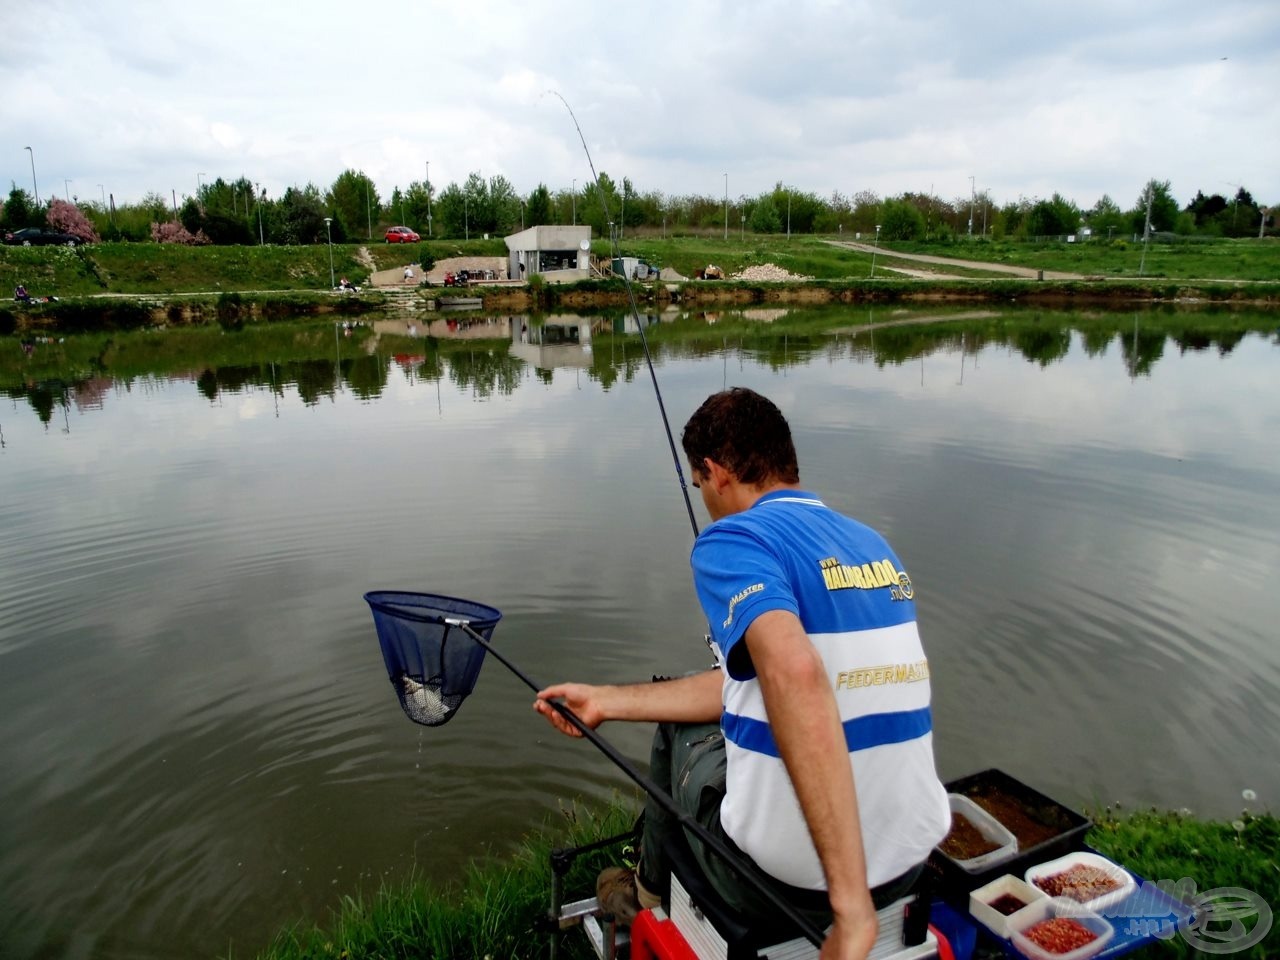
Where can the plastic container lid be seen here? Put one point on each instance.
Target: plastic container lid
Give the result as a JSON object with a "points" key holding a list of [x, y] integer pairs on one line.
{"points": [[1051, 908], [1084, 858], [981, 900], [990, 828]]}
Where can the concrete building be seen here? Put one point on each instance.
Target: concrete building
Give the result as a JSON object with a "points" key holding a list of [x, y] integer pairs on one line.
{"points": [[560, 254]]}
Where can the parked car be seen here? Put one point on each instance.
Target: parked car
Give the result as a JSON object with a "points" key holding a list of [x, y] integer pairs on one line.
{"points": [[401, 235], [39, 237]]}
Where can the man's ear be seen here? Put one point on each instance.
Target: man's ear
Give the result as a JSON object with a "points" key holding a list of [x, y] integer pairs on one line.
{"points": [[718, 476]]}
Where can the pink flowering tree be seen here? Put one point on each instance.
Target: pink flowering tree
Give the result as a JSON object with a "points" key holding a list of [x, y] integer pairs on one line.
{"points": [[68, 218], [171, 231]]}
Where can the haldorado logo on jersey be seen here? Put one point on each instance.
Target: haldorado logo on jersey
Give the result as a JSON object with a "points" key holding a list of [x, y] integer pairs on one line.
{"points": [[867, 576]]}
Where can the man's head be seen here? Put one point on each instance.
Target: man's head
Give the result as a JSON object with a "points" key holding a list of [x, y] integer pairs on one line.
{"points": [[745, 434]]}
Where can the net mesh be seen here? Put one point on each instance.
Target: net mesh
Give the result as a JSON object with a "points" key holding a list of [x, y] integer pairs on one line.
{"points": [[432, 662]]}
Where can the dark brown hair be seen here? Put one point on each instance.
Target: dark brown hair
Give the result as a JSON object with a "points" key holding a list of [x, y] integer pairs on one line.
{"points": [[746, 434]]}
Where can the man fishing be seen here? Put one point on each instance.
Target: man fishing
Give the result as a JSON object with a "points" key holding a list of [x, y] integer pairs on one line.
{"points": [[809, 747]]}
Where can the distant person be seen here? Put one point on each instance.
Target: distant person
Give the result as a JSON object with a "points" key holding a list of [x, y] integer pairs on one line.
{"points": [[408, 274], [20, 294]]}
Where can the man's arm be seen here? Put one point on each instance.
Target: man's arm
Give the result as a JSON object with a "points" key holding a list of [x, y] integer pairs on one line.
{"points": [[694, 699], [806, 726]]}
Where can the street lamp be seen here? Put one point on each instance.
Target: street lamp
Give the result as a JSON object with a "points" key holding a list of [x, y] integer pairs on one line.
{"points": [[971, 199], [368, 207], [466, 219], [66, 185], [260, 195], [726, 207], [573, 198], [104, 196], [329, 234], [34, 188], [874, 250], [428, 198]]}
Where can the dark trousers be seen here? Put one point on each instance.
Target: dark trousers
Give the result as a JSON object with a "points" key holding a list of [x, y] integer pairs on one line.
{"points": [[688, 762]]}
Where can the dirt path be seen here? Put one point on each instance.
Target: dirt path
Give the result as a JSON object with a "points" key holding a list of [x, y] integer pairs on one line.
{"points": [[1026, 272]]}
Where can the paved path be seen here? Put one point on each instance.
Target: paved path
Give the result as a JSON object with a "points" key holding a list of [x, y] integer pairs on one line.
{"points": [[1026, 272]]}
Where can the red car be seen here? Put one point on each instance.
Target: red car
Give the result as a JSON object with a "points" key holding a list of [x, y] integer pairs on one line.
{"points": [[401, 235]]}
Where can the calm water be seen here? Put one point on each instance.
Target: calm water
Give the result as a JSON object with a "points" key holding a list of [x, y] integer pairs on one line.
{"points": [[200, 744]]}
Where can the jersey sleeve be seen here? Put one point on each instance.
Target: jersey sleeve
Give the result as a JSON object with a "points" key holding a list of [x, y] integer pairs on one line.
{"points": [[737, 578]]}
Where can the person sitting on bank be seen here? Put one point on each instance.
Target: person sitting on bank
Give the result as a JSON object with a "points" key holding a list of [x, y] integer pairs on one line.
{"points": [[820, 769], [20, 294]]}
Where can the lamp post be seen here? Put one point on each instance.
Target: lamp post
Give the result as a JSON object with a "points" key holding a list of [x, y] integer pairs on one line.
{"points": [[874, 251], [329, 234], [971, 199], [428, 198], [573, 199], [726, 207], [66, 186], [466, 219], [368, 207], [260, 195], [104, 196], [34, 188]]}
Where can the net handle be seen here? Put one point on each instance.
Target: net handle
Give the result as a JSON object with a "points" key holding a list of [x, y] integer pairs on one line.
{"points": [[749, 871]]}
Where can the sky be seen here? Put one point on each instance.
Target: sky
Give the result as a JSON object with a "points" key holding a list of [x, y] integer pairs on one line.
{"points": [[1019, 99]]}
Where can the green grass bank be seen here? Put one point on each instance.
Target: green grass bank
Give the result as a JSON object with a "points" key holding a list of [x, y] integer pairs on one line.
{"points": [[126, 284], [496, 906]]}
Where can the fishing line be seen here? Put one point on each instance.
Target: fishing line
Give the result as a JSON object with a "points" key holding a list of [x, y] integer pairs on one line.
{"points": [[635, 313], [750, 874]]}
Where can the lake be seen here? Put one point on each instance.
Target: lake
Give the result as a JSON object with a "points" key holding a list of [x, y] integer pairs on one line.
{"points": [[200, 743]]}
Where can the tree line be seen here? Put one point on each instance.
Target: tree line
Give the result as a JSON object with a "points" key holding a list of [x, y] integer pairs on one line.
{"points": [[240, 212]]}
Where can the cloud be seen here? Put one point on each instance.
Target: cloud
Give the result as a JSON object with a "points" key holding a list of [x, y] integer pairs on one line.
{"points": [[1085, 99]]}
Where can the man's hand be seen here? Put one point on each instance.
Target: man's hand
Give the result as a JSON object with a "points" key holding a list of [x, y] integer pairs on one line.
{"points": [[851, 939], [583, 699]]}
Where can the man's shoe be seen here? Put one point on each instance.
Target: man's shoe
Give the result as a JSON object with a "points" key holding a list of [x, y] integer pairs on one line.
{"points": [[620, 893]]}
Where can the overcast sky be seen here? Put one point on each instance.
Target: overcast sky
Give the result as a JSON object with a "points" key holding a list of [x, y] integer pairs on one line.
{"points": [[1084, 97]]}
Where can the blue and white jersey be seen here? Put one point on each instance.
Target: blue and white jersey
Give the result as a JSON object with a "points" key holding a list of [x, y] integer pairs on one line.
{"points": [[856, 602]]}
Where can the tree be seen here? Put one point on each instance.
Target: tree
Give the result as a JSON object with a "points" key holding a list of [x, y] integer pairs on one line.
{"points": [[901, 220], [353, 198], [765, 217], [69, 218], [19, 210], [1106, 217], [1053, 217], [300, 218], [1164, 209], [538, 208]]}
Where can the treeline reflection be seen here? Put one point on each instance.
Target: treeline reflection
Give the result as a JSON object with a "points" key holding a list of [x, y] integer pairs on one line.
{"points": [[487, 356]]}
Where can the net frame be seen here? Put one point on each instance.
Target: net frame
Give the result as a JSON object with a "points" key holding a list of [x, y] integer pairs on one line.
{"points": [[432, 661]]}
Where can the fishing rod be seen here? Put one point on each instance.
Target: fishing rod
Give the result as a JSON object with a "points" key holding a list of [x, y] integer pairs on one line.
{"points": [[748, 872], [635, 313]]}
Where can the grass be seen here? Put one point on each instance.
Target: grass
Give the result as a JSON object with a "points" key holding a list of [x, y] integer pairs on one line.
{"points": [[163, 269], [496, 908], [1159, 845], [1183, 260]]}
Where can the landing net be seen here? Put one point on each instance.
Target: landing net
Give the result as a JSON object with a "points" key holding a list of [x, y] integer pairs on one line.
{"points": [[431, 661]]}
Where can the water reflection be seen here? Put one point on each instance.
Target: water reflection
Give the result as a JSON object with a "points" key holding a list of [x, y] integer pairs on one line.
{"points": [[200, 743], [488, 356]]}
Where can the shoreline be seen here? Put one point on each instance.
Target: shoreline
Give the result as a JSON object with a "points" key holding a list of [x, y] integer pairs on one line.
{"points": [[117, 311]]}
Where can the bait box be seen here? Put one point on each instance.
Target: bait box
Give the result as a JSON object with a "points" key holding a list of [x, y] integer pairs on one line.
{"points": [[980, 901], [1050, 908], [1066, 829]]}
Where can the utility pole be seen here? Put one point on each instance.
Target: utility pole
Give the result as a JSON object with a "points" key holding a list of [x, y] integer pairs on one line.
{"points": [[35, 189], [972, 196], [1146, 231], [726, 207]]}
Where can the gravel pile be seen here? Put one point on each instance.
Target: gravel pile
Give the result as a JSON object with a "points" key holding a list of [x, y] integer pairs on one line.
{"points": [[767, 271]]}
